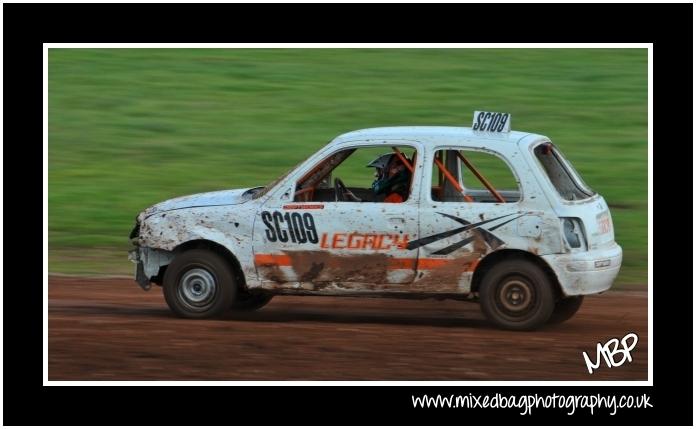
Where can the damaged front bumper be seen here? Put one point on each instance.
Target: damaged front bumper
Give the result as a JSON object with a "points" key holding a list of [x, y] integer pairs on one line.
{"points": [[140, 277], [148, 263]]}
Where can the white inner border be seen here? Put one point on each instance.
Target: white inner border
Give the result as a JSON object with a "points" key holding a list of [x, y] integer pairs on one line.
{"points": [[651, 340]]}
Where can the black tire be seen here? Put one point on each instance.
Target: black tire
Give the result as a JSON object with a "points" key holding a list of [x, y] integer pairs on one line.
{"points": [[516, 294], [199, 284], [565, 309], [250, 302]]}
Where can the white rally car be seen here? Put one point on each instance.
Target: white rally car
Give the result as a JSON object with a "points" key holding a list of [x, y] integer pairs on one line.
{"points": [[528, 251]]}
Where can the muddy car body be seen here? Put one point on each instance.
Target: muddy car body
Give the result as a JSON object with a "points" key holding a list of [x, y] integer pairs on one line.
{"points": [[528, 254]]}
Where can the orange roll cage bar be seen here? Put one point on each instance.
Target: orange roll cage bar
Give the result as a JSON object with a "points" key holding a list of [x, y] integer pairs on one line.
{"points": [[402, 159], [482, 179], [452, 180]]}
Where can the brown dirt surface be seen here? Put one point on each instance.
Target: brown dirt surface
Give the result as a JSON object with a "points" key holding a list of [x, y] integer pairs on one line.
{"points": [[110, 329]]}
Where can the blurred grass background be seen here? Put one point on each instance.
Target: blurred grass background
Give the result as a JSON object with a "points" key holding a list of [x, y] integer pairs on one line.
{"points": [[132, 127]]}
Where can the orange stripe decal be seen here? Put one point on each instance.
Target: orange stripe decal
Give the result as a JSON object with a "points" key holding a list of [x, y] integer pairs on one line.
{"points": [[266, 260], [281, 260], [402, 264], [430, 264]]}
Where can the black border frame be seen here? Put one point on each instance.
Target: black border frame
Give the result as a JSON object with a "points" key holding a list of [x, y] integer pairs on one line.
{"points": [[27, 26]]}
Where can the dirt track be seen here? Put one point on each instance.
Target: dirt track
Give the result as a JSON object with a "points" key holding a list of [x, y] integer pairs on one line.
{"points": [[110, 329]]}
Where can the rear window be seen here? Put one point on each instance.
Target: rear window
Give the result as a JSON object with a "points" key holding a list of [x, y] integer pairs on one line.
{"points": [[563, 176]]}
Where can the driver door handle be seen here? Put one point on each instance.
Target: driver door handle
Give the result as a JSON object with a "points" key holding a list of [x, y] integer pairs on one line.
{"points": [[397, 219]]}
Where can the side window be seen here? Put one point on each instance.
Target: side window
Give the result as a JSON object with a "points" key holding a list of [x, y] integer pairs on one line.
{"points": [[472, 176], [366, 174]]}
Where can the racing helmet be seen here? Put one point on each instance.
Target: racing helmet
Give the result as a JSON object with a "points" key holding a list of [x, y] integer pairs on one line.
{"points": [[385, 183], [382, 161]]}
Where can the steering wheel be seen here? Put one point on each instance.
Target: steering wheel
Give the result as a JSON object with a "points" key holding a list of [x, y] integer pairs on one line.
{"points": [[342, 193], [339, 190]]}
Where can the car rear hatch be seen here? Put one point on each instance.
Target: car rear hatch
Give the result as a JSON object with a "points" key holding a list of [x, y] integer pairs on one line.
{"points": [[585, 216]]}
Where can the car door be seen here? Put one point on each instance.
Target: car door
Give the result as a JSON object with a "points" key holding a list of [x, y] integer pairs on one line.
{"points": [[461, 223], [319, 240]]}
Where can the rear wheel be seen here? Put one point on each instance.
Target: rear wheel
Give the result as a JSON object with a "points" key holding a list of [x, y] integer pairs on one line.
{"points": [[565, 309], [199, 284], [516, 294]]}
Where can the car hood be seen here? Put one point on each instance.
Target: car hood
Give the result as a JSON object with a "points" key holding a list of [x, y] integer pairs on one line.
{"points": [[207, 199]]}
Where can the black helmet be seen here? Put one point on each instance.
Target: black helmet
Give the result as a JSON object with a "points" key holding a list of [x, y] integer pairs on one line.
{"points": [[385, 184], [382, 161]]}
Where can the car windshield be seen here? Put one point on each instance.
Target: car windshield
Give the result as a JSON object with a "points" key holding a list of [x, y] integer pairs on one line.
{"points": [[560, 171], [271, 185]]}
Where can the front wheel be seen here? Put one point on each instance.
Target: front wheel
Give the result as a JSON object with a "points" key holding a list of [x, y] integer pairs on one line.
{"points": [[516, 294], [199, 284]]}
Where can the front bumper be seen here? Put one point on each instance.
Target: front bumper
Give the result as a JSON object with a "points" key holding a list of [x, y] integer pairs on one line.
{"points": [[148, 263], [140, 277], [585, 273]]}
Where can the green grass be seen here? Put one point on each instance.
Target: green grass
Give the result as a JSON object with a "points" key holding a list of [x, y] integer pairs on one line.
{"points": [[131, 127]]}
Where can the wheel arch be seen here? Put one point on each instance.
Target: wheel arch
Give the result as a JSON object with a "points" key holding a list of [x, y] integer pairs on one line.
{"points": [[215, 247], [494, 258]]}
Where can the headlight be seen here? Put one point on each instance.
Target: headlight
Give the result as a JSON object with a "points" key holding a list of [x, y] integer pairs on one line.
{"points": [[136, 230]]}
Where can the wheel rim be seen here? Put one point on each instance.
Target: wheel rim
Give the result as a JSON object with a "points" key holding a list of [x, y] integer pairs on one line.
{"points": [[515, 297], [197, 288]]}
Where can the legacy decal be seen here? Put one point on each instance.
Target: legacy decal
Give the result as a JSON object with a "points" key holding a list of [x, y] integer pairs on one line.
{"points": [[356, 240]]}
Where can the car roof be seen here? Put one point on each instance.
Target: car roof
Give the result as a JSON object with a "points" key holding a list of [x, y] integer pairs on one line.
{"points": [[441, 135]]}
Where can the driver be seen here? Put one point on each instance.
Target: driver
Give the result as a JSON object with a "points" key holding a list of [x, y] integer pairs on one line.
{"points": [[392, 178]]}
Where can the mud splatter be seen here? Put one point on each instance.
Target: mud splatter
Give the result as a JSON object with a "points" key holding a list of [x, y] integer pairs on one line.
{"points": [[320, 266]]}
